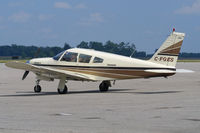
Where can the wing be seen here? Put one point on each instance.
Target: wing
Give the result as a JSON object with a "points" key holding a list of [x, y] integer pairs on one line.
{"points": [[49, 71]]}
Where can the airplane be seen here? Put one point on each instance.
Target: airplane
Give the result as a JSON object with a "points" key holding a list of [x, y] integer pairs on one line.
{"points": [[90, 65]]}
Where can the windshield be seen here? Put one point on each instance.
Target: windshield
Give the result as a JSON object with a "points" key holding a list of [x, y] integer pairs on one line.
{"points": [[57, 57], [70, 57]]}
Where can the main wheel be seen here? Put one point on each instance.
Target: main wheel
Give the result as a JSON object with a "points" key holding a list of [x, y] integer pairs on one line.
{"points": [[37, 88], [64, 91], [104, 86]]}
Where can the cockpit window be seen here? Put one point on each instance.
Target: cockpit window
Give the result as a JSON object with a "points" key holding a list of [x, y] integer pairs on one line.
{"points": [[83, 58], [97, 60], [57, 57], [70, 57]]}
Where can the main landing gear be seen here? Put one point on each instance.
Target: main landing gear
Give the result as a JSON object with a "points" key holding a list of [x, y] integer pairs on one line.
{"points": [[62, 88], [104, 86]]}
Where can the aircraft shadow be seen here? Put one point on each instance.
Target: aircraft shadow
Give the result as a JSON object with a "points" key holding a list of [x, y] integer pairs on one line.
{"points": [[30, 93], [128, 91], [157, 92]]}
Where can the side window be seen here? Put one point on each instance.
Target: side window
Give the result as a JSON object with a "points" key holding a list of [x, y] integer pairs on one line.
{"points": [[70, 57], [83, 58], [97, 60]]}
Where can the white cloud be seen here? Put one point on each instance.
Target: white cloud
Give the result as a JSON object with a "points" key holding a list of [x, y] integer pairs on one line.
{"points": [[193, 9], [43, 17], [96, 17], [81, 6], [64, 5], [20, 17], [92, 19]]}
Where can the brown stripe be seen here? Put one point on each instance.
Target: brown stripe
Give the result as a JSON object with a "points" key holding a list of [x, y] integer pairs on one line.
{"points": [[174, 49], [116, 74]]}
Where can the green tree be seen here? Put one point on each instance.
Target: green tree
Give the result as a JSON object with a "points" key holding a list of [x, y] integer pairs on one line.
{"points": [[66, 46], [83, 44], [96, 45]]}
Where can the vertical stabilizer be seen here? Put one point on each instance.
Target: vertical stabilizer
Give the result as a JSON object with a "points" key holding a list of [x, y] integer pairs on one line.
{"points": [[168, 53]]}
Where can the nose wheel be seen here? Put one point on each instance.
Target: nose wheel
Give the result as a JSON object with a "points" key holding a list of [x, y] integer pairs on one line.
{"points": [[37, 88]]}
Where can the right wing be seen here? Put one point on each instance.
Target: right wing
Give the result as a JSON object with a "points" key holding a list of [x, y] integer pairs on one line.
{"points": [[50, 71]]}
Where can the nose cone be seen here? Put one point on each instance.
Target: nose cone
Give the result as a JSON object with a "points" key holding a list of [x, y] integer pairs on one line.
{"points": [[40, 61], [28, 62], [32, 61], [36, 61]]}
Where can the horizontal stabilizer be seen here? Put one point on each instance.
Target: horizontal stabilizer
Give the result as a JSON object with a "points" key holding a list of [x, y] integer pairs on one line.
{"points": [[160, 71]]}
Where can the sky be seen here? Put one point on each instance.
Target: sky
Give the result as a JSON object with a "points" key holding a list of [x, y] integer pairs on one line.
{"points": [[146, 23]]}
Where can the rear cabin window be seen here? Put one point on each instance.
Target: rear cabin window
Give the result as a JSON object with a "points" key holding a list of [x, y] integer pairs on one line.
{"points": [[83, 58], [97, 60], [70, 57]]}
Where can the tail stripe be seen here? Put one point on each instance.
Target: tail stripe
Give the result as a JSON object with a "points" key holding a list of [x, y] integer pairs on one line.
{"points": [[174, 49]]}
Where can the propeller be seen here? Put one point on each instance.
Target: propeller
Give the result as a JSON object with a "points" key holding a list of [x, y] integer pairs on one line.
{"points": [[25, 74], [35, 55]]}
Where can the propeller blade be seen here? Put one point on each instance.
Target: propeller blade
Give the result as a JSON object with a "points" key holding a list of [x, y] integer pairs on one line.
{"points": [[25, 74]]}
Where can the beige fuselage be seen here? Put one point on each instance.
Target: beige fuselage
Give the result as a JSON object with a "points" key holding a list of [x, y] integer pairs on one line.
{"points": [[113, 67]]}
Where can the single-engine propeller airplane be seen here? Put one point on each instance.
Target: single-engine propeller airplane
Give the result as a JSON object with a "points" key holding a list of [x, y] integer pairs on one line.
{"points": [[91, 65]]}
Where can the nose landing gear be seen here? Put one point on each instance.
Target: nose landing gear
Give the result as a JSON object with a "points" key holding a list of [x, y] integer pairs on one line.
{"points": [[37, 88]]}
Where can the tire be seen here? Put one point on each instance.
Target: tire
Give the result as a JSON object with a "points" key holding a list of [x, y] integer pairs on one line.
{"points": [[103, 87], [64, 91], [37, 89]]}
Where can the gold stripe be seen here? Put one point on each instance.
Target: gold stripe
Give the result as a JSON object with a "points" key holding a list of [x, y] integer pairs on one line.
{"points": [[116, 74], [174, 49]]}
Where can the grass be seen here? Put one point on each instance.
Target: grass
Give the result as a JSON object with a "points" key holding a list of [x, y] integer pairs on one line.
{"points": [[5, 61], [188, 60]]}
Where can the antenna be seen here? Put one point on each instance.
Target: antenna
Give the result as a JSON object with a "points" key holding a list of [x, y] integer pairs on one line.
{"points": [[132, 53]]}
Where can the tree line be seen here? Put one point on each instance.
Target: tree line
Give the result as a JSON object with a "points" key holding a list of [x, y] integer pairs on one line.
{"points": [[122, 48]]}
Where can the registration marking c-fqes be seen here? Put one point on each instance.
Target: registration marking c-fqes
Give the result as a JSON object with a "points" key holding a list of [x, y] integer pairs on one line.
{"points": [[165, 59]]}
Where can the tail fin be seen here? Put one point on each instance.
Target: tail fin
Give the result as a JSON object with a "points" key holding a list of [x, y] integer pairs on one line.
{"points": [[168, 53]]}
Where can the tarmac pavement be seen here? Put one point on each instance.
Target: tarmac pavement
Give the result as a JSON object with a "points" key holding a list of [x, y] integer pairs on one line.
{"points": [[156, 105]]}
